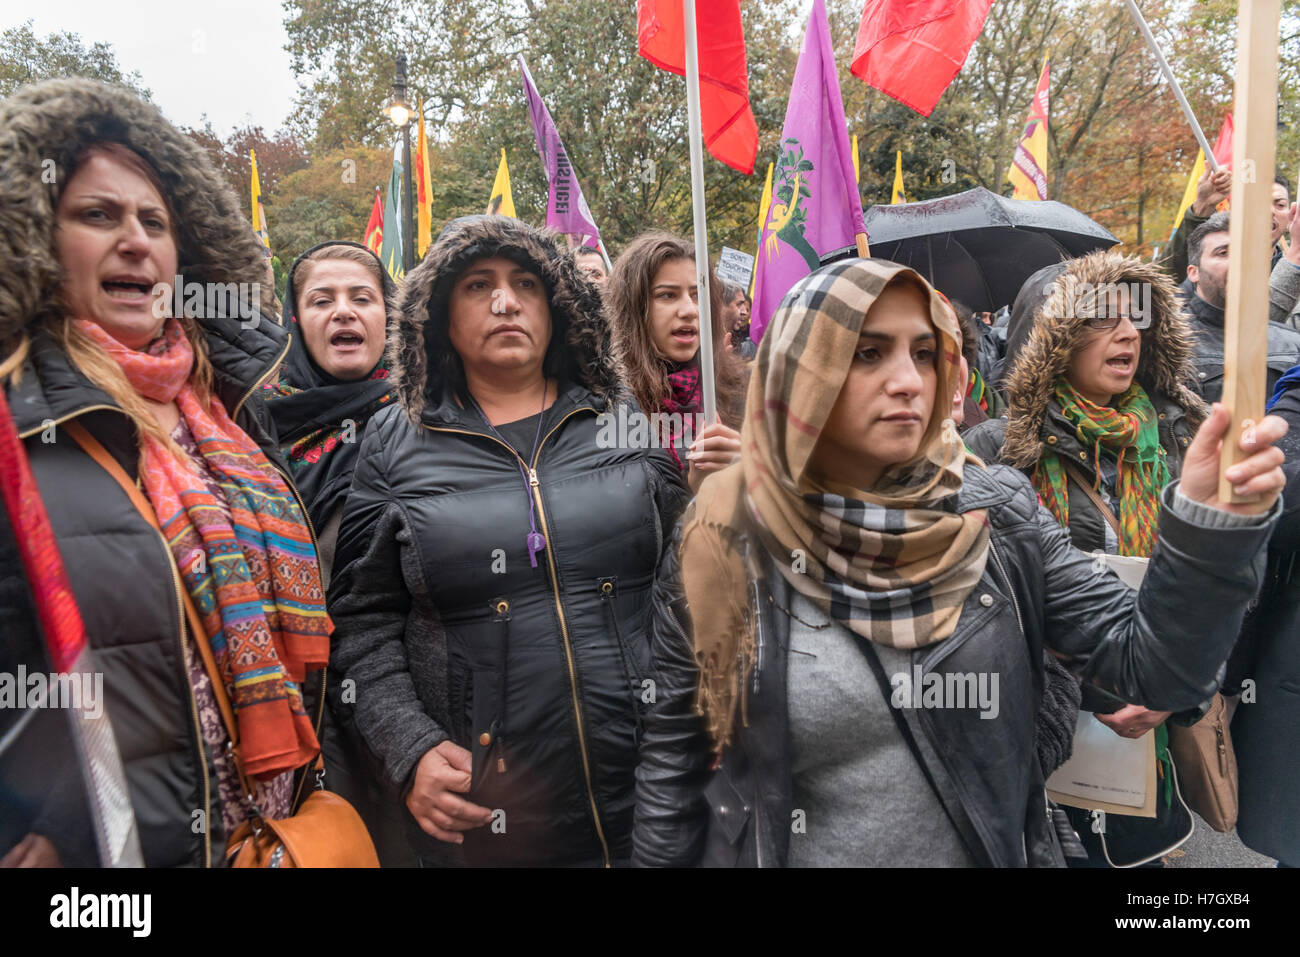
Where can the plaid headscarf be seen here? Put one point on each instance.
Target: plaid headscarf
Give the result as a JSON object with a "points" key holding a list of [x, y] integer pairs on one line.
{"points": [[893, 563]]}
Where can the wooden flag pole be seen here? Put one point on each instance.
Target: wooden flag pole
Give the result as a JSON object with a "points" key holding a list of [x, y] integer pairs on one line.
{"points": [[864, 251], [1254, 141], [708, 388], [1173, 84]]}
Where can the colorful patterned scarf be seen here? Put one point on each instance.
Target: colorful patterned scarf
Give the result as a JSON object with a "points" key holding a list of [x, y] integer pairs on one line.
{"points": [[894, 563], [254, 578], [1132, 431], [685, 397]]}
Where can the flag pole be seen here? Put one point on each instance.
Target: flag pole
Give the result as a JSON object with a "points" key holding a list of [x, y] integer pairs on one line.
{"points": [[697, 202], [1173, 84]]}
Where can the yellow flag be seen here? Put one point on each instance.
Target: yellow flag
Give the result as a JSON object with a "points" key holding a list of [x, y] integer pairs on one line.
{"points": [[1189, 194], [764, 204], [857, 176], [899, 196], [1028, 173], [423, 192], [502, 202], [255, 206]]}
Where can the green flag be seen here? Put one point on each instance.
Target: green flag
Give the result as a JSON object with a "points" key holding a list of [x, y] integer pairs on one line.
{"points": [[390, 253]]}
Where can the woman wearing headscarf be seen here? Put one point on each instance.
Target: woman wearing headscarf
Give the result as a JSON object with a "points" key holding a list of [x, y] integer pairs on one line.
{"points": [[135, 225], [653, 304], [1100, 414], [337, 304], [842, 598], [495, 561]]}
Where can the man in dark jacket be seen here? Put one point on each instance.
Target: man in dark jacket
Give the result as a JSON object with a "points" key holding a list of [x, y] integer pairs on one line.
{"points": [[1207, 270], [1265, 670], [1284, 280], [495, 561]]}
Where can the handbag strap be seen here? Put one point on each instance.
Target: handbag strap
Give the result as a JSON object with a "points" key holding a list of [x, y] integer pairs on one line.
{"points": [[956, 814], [96, 451], [1081, 480]]}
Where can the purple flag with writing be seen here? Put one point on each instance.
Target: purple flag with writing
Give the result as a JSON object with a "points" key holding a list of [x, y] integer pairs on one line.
{"points": [[815, 208], [566, 210]]}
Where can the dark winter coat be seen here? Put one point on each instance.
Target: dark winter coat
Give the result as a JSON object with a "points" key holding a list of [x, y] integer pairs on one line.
{"points": [[119, 566], [1267, 721], [449, 632], [1206, 322], [1037, 590]]}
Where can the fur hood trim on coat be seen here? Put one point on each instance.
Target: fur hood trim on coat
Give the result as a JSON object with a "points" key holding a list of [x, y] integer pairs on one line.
{"points": [[1164, 366], [420, 355], [44, 127]]}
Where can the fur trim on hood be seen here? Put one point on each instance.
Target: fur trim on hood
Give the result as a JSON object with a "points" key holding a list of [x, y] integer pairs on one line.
{"points": [[44, 127], [422, 360], [1164, 366]]}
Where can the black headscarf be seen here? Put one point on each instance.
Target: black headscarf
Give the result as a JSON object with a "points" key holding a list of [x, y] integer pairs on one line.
{"points": [[312, 409]]}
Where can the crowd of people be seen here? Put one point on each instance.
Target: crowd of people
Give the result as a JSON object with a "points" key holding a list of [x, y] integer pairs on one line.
{"points": [[380, 545]]}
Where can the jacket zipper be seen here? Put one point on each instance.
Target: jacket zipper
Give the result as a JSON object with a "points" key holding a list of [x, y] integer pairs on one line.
{"points": [[535, 487], [1006, 580], [257, 384]]}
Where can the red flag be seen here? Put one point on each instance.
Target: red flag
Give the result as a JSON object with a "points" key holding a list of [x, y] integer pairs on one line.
{"points": [[1223, 145], [730, 132], [912, 49], [374, 236]]}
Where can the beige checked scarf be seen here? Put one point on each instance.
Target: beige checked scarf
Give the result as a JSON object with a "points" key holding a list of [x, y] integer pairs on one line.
{"points": [[891, 563]]}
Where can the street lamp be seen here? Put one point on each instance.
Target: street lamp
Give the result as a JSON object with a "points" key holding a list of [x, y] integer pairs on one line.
{"points": [[399, 111]]}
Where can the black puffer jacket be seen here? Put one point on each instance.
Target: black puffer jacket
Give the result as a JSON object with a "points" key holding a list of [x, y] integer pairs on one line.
{"points": [[449, 632], [120, 569], [1036, 590]]}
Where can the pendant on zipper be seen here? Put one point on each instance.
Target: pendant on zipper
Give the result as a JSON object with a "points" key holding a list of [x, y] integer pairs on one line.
{"points": [[535, 544]]}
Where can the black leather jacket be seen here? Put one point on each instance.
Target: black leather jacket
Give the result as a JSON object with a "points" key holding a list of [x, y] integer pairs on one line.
{"points": [[449, 633], [1207, 323], [1037, 589], [126, 582]]}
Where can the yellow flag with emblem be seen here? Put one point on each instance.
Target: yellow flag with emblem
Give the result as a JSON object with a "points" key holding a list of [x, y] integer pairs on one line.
{"points": [[501, 202]]}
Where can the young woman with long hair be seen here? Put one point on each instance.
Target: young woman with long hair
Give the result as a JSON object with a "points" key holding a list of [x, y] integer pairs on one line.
{"points": [[652, 298]]}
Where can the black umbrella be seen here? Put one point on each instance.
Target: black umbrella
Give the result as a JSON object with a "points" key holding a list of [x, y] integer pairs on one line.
{"points": [[979, 247]]}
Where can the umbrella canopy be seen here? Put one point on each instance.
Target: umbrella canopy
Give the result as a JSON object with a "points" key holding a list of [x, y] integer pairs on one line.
{"points": [[979, 247]]}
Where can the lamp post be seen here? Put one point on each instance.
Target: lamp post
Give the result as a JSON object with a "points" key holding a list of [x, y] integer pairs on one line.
{"points": [[399, 111]]}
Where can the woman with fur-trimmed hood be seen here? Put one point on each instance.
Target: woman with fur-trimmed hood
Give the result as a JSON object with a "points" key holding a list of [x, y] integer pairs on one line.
{"points": [[495, 560], [1078, 378], [1099, 412], [133, 348]]}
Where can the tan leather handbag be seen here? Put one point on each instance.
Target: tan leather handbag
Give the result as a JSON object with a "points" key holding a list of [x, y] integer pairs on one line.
{"points": [[326, 831], [1207, 765]]}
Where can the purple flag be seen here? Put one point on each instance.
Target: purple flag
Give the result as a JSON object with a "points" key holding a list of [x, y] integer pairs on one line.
{"points": [[815, 208], [567, 209]]}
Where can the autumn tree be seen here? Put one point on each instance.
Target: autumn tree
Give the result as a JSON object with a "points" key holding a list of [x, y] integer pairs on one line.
{"points": [[26, 58]]}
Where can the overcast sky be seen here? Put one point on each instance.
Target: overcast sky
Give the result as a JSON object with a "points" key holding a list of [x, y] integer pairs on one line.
{"points": [[224, 58]]}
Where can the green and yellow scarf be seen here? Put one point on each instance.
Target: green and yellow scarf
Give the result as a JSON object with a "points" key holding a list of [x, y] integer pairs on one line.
{"points": [[1131, 431]]}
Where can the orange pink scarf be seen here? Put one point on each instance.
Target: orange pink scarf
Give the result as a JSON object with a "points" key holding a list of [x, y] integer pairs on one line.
{"points": [[253, 576]]}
